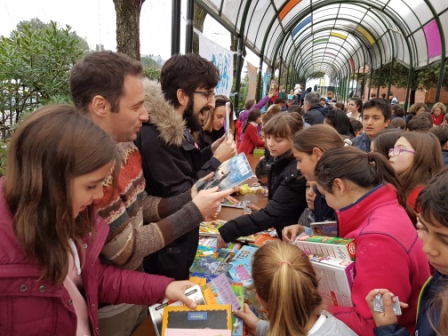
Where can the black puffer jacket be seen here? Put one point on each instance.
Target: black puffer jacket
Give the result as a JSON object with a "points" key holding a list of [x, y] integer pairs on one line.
{"points": [[287, 201], [315, 115]]}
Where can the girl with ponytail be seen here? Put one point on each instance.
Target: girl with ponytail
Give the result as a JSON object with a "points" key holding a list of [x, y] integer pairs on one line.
{"points": [[287, 288], [371, 208]]}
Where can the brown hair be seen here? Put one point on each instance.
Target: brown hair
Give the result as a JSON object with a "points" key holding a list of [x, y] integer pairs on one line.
{"points": [[441, 132], [220, 100], [427, 162], [284, 125], [286, 281], [398, 123], [252, 117], [417, 106], [367, 170], [323, 137], [272, 111], [420, 123], [386, 140], [248, 104], [397, 110], [432, 207], [340, 106], [101, 73], [187, 73], [51, 147]]}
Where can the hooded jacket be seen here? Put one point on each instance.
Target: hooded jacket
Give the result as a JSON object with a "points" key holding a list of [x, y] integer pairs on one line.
{"points": [[172, 163], [388, 255], [30, 305], [315, 115]]}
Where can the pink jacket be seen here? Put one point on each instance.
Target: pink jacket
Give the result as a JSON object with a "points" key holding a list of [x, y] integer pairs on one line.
{"points": [[251, 139], [388, 255], [29, 306]]}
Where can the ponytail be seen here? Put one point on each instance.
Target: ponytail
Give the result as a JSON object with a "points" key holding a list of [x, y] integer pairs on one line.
{"points": [[367, 170], [286, 281], [253, 115]]}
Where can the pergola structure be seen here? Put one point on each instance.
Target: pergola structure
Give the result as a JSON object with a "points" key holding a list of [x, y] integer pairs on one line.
{"points": [[335, 37]]}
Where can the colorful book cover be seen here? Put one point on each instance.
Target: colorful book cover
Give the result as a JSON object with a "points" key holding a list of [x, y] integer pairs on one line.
{"points": [[210, 266], [241, 271], [229, 174], [210, 229], [327, 246], [223, 292], [228, 204], [245, 252], [327, 228], [238, 328], [262, 239], [202, 317], [156, 311]]}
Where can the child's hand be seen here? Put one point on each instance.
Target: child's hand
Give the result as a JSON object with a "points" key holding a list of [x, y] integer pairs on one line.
{"points": [[289, 233], [253, 207], [387, 317], [249, 318], [176, 291], [220, 243]]}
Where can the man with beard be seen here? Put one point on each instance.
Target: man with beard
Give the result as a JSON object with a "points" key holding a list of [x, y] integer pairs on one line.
{"points": [[172, 162]]}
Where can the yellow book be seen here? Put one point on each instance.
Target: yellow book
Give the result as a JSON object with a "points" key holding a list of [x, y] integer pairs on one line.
{"points": [[203, 317]]}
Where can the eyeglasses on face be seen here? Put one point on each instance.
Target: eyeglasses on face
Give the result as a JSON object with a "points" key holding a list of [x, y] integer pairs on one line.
{"points": [[398, 150], [209, 95]]}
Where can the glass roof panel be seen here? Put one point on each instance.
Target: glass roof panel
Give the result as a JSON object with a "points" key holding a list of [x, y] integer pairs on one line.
{"points": [[366, 31]]}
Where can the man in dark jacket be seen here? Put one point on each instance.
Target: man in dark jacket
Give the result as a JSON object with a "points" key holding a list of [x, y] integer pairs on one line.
{"points": [[314, 112], [171, 160]]}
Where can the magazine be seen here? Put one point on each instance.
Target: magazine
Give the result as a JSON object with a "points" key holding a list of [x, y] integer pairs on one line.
{"points": [[229, 174]]}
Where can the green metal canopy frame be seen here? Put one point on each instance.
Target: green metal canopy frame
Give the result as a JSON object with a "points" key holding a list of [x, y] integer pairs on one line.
{"points": [[336, 37]]}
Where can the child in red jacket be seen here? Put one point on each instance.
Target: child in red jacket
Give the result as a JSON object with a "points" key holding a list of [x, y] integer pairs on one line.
{"points": [[251, 139]]}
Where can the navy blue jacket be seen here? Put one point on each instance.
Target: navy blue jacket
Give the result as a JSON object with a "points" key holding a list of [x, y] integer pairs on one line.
{"points": [[362, 142]]}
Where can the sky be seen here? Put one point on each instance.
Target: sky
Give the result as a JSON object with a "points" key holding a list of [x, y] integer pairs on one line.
{"points": [[94, 20]]}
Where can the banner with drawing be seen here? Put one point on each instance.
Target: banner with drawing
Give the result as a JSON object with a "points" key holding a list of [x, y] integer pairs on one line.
{"points": [[252, 74], [223, 59]]}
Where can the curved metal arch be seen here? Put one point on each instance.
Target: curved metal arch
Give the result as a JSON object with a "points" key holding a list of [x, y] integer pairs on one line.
{"points": [[352, 33], [305, 74], [361, 41], [305, 13]]}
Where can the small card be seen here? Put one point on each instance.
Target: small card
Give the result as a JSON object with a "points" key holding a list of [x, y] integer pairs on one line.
{"points": [[378, 304]]}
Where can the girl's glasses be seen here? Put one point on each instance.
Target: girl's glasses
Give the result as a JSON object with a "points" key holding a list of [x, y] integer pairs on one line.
{"points": [[398, 150]]}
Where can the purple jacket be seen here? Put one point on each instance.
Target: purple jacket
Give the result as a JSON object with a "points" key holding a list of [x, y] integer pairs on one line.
{"points": [[29, 305], [245, 114]]}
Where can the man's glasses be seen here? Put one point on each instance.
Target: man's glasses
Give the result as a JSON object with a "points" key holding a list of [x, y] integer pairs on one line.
{"points": [[209, 95], [398, 150]]}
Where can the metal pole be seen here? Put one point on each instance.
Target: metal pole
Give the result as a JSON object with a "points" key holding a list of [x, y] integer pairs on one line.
{"points": [[260, 73], [175, 22], [390, 77], [189, 27], [239, 66]]}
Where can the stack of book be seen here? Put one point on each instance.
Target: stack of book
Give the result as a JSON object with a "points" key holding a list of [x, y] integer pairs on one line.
{"points": [[333, 260]]}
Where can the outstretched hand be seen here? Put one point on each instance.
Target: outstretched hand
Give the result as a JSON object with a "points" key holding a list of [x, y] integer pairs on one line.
{"points": [[388, 316], [176, 291]]}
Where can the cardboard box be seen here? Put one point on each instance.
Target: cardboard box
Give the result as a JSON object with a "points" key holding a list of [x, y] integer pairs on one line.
{"points": [[327, 246], [335, 279]]}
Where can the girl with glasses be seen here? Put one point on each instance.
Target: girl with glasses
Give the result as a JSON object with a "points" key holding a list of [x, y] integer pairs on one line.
{"points": [[416, 158]]}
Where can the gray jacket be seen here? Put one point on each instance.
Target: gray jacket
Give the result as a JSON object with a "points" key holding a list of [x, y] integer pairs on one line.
{"points": [[331, 327]]}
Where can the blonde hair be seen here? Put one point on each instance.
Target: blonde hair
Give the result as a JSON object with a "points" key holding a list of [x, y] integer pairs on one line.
{"points": [[439, 105], [286, 281]]}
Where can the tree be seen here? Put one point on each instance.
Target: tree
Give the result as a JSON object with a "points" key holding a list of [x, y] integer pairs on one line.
{"points": [[150, 68], [128, 26], [198, 23]]}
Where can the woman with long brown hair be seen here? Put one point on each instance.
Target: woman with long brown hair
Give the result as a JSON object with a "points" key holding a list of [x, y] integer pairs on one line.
{"points": [[51, 278]]}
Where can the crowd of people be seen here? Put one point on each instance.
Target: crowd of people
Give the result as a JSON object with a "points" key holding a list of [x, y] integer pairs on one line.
{"points": [[100, 209]]}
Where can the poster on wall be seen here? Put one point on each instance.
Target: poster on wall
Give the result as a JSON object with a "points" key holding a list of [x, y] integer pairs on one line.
{"points": [[223, 59], [252, 74]]}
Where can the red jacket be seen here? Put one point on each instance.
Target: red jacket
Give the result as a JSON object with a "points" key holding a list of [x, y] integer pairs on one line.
{"points": [[388, 255], [251, 139], [437, 120], [29, 306]]}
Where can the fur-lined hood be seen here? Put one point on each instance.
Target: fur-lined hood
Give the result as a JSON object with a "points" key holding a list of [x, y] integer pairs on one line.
{"points": [[163, 115]]}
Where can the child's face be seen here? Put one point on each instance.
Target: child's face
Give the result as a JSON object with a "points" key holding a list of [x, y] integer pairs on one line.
{"points": [[310, 194], [277, 146], [258, 121], [263, 180], [404, 160], [88, 188], [435, 243], [306, 164], [373, 121]]}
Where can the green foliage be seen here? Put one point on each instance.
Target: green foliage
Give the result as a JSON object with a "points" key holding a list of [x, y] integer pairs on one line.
{"points": [[318, 74], [35, 63], [150, 68], [244, 88]]}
